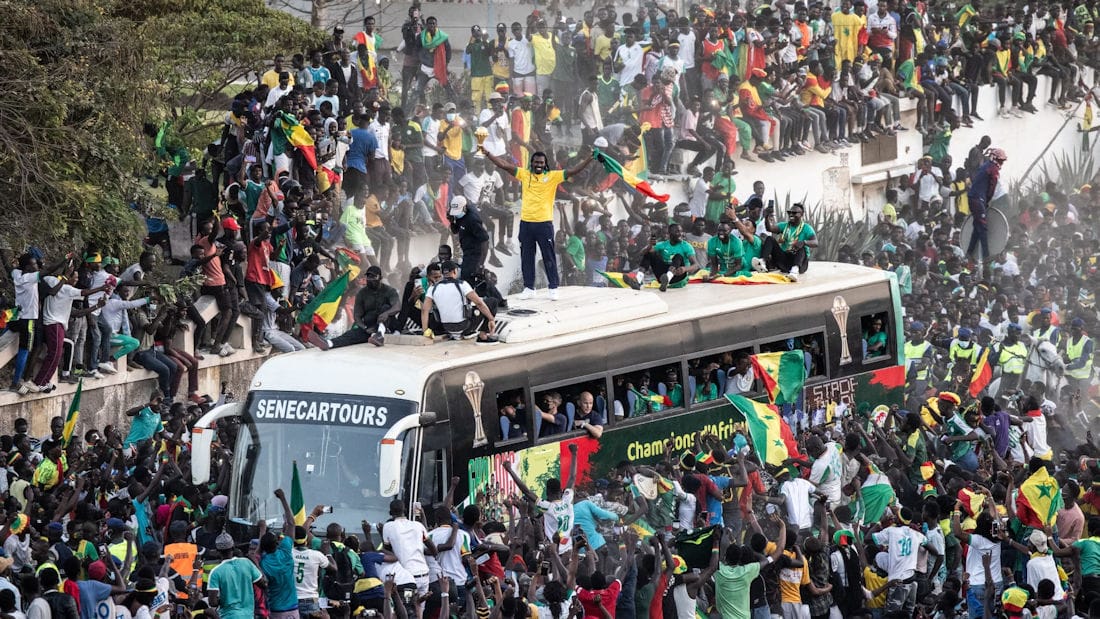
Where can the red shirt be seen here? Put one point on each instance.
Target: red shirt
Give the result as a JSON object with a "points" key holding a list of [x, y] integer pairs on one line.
{"points": [[212, 269], [592, 599], [755, 485], [257, 270]]}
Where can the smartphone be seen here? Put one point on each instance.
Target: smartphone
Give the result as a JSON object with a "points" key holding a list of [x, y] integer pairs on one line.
{"points": [[544, 568], [327, 509]]}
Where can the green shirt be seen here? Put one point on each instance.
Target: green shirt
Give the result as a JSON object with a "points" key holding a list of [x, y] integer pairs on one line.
{"points": [[750, 250], [872, 340], [716, 207], [412, 140], [480, 61], [233, 581], [956, 426], [667, 251], [727, 253], [1090, 555], [803, 232], [731, 589]]}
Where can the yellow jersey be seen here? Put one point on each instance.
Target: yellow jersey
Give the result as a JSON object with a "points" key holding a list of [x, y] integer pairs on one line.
{"points": [[538, 194]]}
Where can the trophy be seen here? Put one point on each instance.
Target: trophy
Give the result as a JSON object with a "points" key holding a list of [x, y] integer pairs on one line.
{"points": [[481, 134], [840, 313], [473, 387]]}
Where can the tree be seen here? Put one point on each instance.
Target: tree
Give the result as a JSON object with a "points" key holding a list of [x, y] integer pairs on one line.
{"points": [[83, 76]]}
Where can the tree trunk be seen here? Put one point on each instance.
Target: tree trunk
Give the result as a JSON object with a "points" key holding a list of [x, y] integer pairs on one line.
{"points": [[316, 12]]}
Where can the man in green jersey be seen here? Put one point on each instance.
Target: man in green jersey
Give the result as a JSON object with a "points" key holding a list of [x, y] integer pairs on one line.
{"points": [[671, 261], [724, 253], [788, 249]]}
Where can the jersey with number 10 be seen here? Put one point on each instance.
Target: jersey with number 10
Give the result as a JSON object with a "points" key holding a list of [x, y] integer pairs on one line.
{"points": [[557, 517], [902, 543]]}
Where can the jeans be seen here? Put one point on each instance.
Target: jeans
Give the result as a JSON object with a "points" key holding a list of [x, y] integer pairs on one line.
{"points": [[969, 462], [101, 342], [817, 119], [975, 599], [160, 364], [980, 234], [539, 234]]}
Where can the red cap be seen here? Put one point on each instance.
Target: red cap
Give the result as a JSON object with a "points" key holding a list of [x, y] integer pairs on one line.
{"points": [[758, 72], [97, 570], [230, 224]]}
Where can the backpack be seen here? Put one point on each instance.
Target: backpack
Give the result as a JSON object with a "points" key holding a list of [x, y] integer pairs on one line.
{"points": [[339, 586]]}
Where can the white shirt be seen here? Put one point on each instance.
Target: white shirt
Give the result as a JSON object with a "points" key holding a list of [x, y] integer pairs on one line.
{"points": [[401, 576], [1037, 435], [57, 307], [307, 566], [698, 201], [557, 517], [382, 134], [114, 312], [685, 511], [523, 57], [450, 561], [332, 99], [827, 473], [39, 609], [687, 48], [902, 544], [979, 547], [478, 186], [406, 538], [431, 136], [631, 58], [277, 93], [98, 279], [449, 299], [26, 293], [928, 184], [499, 131], [1041, 567], [797, 491], [887, 22]]}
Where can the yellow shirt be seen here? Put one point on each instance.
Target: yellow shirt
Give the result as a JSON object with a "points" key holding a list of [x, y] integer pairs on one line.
{"points": [[602, 46], [451, 140], [271, 78], [873, 581], [538, 194], [846, 30], [791, 580], [545, 60]]}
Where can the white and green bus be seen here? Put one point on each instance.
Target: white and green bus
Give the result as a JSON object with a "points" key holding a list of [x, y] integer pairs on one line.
{"points": [[367, 424]]}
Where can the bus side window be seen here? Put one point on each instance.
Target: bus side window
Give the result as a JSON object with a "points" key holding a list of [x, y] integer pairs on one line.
{"points": [[649, 390], [812, 346], [550, 417], [433, 478], [876, 341], [712, 376], [512, 413], [585, 401]]}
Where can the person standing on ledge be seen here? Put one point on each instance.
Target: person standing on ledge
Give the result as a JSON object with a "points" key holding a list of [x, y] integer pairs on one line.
{"points": [[536, 215]]}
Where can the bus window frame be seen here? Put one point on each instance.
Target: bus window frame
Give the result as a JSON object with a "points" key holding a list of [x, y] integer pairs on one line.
{"points": [[753, 346], [681, 360], [891, 346], [524, 441], [826, 350], [570, 432]]}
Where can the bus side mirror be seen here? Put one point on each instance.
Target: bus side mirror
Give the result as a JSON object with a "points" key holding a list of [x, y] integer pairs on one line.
{"points": [[202, 437], [390, 449]]}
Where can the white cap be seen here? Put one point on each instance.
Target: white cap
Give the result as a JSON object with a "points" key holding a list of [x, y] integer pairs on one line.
{"points": [[458, 206], [601, 142]]}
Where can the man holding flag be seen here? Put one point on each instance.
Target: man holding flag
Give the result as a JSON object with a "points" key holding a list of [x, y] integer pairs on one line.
{"points": [[536, 225]]}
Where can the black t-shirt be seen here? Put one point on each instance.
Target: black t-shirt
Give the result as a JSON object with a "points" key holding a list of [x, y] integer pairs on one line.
{"points": [[370, 302]]}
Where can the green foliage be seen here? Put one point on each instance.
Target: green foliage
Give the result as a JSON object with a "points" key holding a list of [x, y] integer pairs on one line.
{"points": [[82, 76]]}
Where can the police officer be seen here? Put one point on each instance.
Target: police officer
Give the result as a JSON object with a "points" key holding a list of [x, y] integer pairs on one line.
{"points": [[1011, 357], [1078, 358], [918, 361]]}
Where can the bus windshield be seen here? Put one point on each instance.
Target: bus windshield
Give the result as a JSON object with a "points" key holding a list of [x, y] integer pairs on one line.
{"points": [[335, 442]]}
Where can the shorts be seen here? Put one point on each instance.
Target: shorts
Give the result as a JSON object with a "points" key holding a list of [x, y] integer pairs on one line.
{"points": [[792, 610], [362, 249], [286, 614], [421, 584], [308, 607]]}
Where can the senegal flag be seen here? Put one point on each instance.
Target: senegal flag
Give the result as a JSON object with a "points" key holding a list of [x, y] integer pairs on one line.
{"points": [[983, 374], [1039, 500], [783, 374], [297, 503], [965, 14], [321, 310], [771, 436], [614, 167], [74, 414]]}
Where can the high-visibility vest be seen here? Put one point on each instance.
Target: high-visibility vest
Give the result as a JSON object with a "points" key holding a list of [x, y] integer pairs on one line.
{"points": [[1012, 358], [914, 352], [959, 352], [1045, 334], [1074, 350]]}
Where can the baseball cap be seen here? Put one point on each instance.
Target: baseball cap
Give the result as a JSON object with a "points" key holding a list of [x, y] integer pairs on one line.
{"points": [[97, 570], [458, 206], [115, 523], [450, 107], [231, 224], [916, 325]]}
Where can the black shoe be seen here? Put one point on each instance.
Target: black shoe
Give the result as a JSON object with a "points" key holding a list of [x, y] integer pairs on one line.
{"points": [[631, 281], [976, 115], [665, 277], [493, 260], [488, 339], [502, 248]]}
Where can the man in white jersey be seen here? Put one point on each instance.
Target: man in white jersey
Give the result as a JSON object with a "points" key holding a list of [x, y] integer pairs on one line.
{"points": [[557, 508], [902, 542], [407, 540], [308, 564]]}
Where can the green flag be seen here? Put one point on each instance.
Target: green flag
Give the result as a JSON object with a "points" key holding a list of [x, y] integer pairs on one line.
{"points": [[297, 503]]}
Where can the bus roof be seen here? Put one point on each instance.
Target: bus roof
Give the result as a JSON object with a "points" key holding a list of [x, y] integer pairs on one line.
{"points": [[581, 314]]}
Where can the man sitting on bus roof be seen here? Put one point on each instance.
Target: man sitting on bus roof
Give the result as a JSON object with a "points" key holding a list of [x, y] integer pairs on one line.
{"points": [[671, 261], [788, 249], [454, 301], [375, 303]]}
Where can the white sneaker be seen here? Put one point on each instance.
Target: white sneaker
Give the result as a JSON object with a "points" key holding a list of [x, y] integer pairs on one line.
{"points": [[94, 374], [107, 367], [759, 265], [527, 294], [553, 294], [226, 350], [27, 387], [793, 275]]}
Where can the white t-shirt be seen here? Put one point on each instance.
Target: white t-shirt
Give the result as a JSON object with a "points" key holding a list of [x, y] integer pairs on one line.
{"points": [[797, 491], [450, 561], [57, 307], [500, 131], [698, 201], [632, 58], [557, 517], [1041, 567], [1037, 435], [98, 279], [685, 511], [476, 186], [449, 299], [26, 293], [430, 127], [39, 609], [828, 472], [523, 57], [401, 576], [382, 134], [308, 564], [902, 544], [406, 538], [979, 547], [687, 48]]}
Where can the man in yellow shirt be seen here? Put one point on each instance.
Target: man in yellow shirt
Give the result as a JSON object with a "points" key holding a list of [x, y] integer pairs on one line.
{"points": [[271, 77], [543, 44], [536, 215], [450, 140], [846, 27]]}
